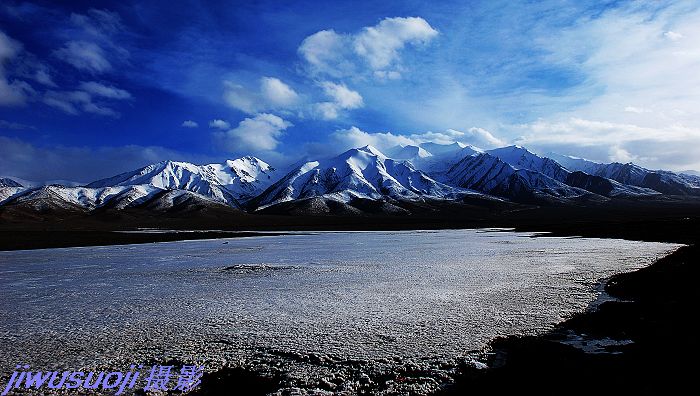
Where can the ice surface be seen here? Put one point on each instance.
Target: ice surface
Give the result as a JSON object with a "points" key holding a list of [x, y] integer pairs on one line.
{"points": [[377, 296]]}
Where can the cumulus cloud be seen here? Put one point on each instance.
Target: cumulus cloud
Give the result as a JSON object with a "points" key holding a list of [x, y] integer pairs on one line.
{"points": [[270, 94], [375, 48], [85, 56], [12, 92], [189, 124], [342, 98], [255, 134], [327, 52], [480, 137], [219, 124], [380, 45], [675, 147], [638, 91], [277, 93], [342, 95], [355, 137], [671, 35]]}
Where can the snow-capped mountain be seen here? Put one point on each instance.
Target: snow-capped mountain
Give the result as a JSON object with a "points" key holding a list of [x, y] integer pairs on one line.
{"points": [[433, 157], [29, 183], [7, 182], [489, 174], [664, 182], [363, 173], [69, 198], [408, 152], [159, 186], [360, 180], [520, 158], [232, 182]]}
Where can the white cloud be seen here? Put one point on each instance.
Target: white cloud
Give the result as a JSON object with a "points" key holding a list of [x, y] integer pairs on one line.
{"points": [[326, 110], [480, 137], [42, 76], [9, 48], [270, 94], [240, 98], [355, 137], [630, 54], [219, 124], [636, 110], [376, 48], [277, 93], [189, 124], [380, 45], [327, 52], [342, 95], [259, 133], [75, 102], [342, 98], [93, 46], [387, 75], [4, 124], [675, 147], [84, 55], [674, 36], [97, 23], [104, 91], [12, 92]]}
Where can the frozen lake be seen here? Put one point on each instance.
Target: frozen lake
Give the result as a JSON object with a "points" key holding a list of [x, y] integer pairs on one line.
{"points": [[371, 296]]}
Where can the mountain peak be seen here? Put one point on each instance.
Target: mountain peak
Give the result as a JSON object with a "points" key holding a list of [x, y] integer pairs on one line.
{"points": [[410, 152], [371, 150], [7, 182]]}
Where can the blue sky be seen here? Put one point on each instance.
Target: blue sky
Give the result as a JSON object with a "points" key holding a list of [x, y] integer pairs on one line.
{"points": [[89, 89]]}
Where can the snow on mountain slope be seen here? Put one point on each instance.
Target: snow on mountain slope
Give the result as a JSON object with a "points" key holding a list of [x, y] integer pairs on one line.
{"points": [[179, 200], [118, 197], [606, 187], [357, 173], [7, 182], [84, 197], [489, 174], [409, 152], [445, 155], [9, 193], [439, 149], [231, 182], [576, 164], [33, 184], [520, 158], [661, 181]]}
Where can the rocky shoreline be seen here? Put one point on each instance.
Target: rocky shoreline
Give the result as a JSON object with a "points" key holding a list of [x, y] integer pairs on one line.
{"points": [[638, 343]]}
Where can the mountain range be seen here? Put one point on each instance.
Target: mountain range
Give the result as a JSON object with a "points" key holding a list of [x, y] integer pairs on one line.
{"points": [[360, 180]]}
